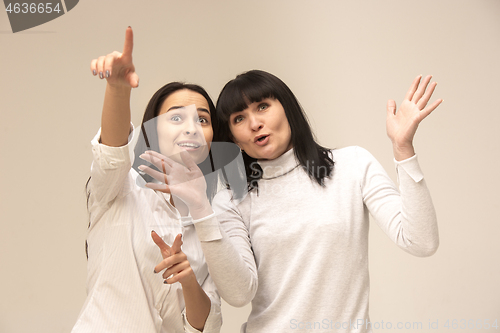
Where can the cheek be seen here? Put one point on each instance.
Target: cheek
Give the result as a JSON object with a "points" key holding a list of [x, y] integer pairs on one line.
{"points": [[237, 134], [208, 133], [167, 133]]}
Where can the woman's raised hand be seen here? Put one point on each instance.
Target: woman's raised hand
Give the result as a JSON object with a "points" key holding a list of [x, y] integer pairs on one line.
{"points": [[117, 67], [402, 124], [183, 181]]}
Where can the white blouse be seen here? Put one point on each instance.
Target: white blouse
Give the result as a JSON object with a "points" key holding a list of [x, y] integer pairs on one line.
{"points": [[123, 293]]}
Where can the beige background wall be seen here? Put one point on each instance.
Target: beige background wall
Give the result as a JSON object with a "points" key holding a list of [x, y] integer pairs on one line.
{"points": [[343, 59]]}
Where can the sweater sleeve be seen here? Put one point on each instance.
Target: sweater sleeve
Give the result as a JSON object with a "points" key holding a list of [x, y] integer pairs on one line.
{"points": [[408, 216], [226, 245]]}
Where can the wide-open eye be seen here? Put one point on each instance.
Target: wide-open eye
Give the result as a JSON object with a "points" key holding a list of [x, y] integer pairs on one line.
{"points": [[176, 118], [203, 120]]}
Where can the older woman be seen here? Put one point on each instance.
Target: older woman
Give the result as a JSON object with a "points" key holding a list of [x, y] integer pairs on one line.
{"points": [[297, 245]]}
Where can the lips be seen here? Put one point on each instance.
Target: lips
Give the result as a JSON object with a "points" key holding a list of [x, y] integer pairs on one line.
{"points": [[261, 140], [260, 137]]}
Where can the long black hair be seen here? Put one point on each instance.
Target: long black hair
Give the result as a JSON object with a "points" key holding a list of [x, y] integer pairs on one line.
{"points": [[148, 138], [254, 86]]}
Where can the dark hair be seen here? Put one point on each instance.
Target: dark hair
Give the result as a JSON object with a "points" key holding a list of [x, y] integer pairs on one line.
{"points": [[148, 139], [254, 86]]}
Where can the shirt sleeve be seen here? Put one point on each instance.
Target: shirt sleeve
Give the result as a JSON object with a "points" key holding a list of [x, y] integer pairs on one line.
{"points": [[214, 319], [110, 167], [407, 216], [229, 256]]}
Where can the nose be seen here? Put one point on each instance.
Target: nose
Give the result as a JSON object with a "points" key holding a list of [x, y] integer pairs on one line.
{"points": [[191, 127], [256, 123]]}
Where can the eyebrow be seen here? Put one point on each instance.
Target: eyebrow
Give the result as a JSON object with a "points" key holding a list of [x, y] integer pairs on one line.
{"points": [[180, 107]]}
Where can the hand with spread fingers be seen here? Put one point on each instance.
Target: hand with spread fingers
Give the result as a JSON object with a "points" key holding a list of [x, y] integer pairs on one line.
{"points": [[175, 263], [185, 182], [117, 67], [402, 124]]}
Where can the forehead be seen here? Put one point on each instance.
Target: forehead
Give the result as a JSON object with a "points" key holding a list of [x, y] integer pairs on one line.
{"points": [[184, 97]]}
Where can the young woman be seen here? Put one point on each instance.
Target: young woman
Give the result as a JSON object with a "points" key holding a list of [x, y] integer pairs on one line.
{"points": [[297, 245], [132, 271]]}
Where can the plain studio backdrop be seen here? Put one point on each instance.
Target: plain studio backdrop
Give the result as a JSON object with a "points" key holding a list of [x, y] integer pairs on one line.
{"points": [[342, 59]]}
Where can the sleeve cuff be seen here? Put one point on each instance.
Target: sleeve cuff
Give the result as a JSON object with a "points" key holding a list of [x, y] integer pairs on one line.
{"points": [[411, 167], [212, 324], [208, 230], [187, 326]]}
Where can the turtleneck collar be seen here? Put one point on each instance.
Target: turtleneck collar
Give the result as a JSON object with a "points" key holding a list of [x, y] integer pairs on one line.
{"points": [[279, 166]]}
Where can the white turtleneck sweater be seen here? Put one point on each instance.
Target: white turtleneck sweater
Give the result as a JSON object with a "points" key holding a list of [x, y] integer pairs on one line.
{"points": [[299, 251]]}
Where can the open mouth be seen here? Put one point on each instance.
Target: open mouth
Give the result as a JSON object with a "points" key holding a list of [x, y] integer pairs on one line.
{"points": [[261, 138], [189, 145]]}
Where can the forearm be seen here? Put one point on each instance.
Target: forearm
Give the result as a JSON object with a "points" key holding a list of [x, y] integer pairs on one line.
{"points": [[197, 303], [419, 221], [230, 260], [115, 121], [407, 216]]}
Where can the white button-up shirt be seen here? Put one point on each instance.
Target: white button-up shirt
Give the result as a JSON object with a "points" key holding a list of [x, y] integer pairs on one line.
{"points": [[123, 292]]}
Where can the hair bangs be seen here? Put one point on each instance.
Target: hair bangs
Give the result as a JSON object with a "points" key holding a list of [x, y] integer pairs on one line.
{"points": [[241, 92]]}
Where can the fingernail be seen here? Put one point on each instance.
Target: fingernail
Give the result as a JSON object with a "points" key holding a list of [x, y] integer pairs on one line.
{"points": [[94, 72], [100, 75], [141, 167], [165, 282], [129, 26], [107, 74], [154, 271]]}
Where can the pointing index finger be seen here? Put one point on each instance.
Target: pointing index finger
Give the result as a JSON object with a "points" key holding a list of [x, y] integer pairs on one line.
{"points": [[129, 42]]}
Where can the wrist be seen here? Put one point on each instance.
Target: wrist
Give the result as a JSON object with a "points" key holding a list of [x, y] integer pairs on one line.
{"points": [[189, 282], [118, 89], [402, 152], [201, 210]]}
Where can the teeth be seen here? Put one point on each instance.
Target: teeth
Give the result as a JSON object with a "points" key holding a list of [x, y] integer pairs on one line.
{"points": [[188, 145]]}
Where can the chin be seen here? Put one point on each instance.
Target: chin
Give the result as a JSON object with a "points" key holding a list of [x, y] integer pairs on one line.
{"points": [[199, 156]]}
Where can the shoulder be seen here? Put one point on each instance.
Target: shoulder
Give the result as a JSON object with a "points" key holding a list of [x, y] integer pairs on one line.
{"points": [[224, 203], [221, 199], [354, 154]]}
